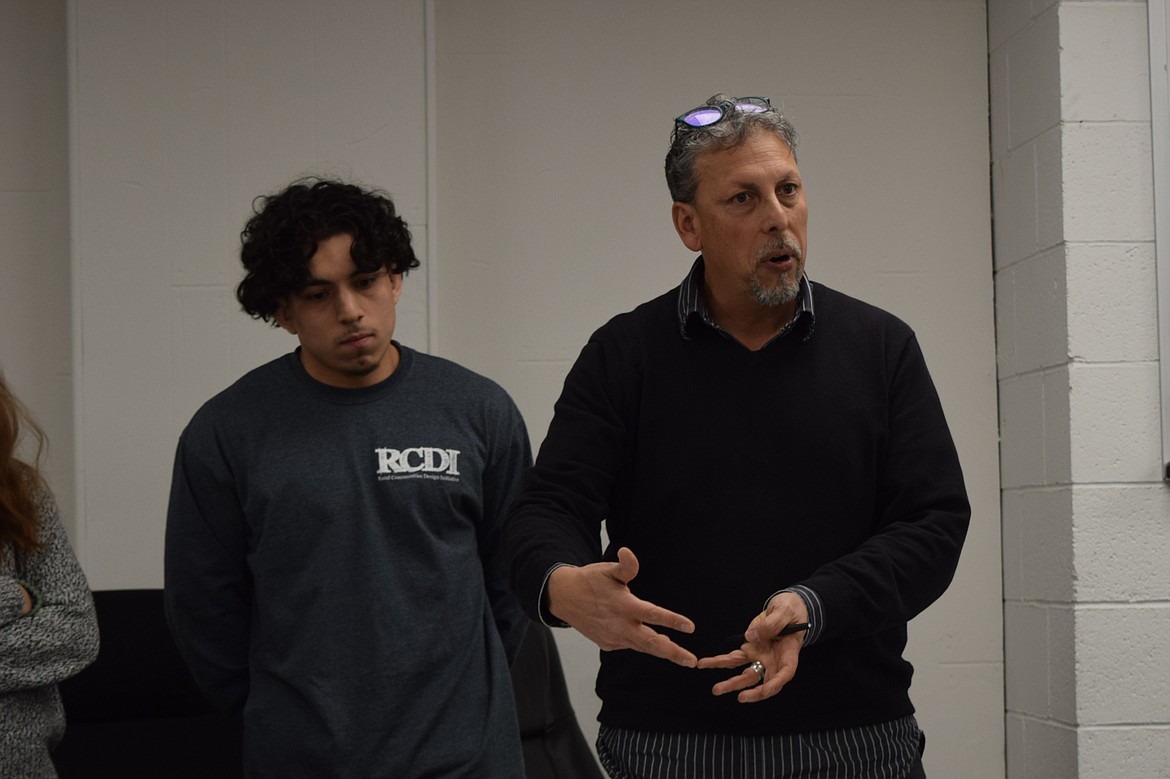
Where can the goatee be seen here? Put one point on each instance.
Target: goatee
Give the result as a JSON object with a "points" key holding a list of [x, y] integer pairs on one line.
{"points": [[788, 288]]}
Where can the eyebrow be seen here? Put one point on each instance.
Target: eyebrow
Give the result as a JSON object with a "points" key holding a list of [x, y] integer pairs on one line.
{"points": [[314, 282], [752, 186]]}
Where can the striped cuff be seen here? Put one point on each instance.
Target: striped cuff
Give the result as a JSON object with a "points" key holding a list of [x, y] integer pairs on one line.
{"points": [[546, 616], [812, 604]]}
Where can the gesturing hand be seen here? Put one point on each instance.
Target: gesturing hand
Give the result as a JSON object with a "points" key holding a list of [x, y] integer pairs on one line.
{"points": [[596, 600], [764, 642]]}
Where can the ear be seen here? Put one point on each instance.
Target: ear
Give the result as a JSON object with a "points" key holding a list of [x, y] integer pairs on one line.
{"points": [[283, 319], [396, 286], [686, 224]]}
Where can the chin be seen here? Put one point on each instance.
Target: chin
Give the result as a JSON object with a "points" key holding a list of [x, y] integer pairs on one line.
{"points": [[774, 297], [363, 370]]}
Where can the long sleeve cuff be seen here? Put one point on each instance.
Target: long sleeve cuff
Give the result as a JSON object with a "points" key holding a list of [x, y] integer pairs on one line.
{"points": [[812, 604], [547, 616]]}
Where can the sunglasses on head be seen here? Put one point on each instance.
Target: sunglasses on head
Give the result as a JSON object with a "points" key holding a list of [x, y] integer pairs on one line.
{"points": [[708, 115]]}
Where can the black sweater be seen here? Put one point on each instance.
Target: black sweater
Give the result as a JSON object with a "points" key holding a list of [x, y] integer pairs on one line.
{"points": [[732, 474]]}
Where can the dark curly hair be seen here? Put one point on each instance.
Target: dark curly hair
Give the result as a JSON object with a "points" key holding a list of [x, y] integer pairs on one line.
{"points": [[285, 229]]}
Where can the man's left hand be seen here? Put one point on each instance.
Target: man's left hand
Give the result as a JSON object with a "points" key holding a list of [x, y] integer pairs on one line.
{"points": [[763, 643]]}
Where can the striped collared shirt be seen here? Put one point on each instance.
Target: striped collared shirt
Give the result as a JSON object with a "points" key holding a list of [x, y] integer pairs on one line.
{"points": [[692, 308]]}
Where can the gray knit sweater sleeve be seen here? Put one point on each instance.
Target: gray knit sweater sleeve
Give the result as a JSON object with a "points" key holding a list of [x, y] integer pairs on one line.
{"points": [[59, 637], [54, 641]]}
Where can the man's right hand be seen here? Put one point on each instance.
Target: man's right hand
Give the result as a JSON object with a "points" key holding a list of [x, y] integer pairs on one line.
{"points": [[596, 600]]}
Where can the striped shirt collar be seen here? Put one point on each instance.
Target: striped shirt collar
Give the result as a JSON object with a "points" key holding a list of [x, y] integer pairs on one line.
{"points": [[692, 308]]}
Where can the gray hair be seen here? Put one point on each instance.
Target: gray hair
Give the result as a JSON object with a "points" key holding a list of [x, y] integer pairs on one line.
{"points": [[687, 143]]}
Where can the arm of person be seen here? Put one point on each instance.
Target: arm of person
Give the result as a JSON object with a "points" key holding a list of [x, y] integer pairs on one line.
{"points": [[15, 600], [921, 520], [510, 458], [208, 588], [554, 527], [48, 629], [921, 517]]}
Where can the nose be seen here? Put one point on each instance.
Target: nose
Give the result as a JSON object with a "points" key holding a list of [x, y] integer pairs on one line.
{"points": [[348, 305], [775, 214]]}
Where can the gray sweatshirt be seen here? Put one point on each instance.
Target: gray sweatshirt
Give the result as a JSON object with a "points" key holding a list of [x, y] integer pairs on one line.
{"points": [[334, 570]]}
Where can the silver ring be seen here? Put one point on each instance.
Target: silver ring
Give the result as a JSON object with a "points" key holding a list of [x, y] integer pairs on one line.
{"points": [[758, 667]]}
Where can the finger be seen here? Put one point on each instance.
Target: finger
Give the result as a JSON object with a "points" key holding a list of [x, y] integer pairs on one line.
{"points": [[627, 565], [658, 645], [762, 692], [771, 628], [729, 660], [783, 609], [780, 672], [650, 614], [742, 681], [766, 626]]}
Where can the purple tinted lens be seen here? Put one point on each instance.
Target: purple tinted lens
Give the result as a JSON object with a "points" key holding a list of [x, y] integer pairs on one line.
{"points": [[701, 117], [750, 108]]}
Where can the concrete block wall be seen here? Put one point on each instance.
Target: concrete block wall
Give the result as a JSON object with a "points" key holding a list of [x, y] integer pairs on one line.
{"points": [[182, 113], [35, 325], [1086, 515]]}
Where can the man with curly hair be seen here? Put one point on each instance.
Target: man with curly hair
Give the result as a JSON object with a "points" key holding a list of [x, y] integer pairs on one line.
{"points": [[333, 558]]}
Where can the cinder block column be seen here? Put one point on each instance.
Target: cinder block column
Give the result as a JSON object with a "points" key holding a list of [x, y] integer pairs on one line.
{"points": [[1086, 516]]}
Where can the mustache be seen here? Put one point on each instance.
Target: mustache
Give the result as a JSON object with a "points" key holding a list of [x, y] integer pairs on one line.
{"points": [[783, 245]]}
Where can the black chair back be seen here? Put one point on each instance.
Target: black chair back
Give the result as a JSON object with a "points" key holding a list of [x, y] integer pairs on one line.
{"points": [[554, 746], [136, 712]]}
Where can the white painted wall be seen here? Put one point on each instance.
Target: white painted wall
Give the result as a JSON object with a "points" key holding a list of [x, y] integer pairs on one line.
{"points": [[183, 112], [35, 339], [1086, 517], [553, 118], [550, 215]]}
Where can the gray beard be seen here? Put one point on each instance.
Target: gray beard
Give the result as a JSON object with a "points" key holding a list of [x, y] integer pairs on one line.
{"points": [[774, 297]]}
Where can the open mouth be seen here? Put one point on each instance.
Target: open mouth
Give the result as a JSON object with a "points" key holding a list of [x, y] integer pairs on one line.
{"points": [[782, 261], [782, 256]]}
